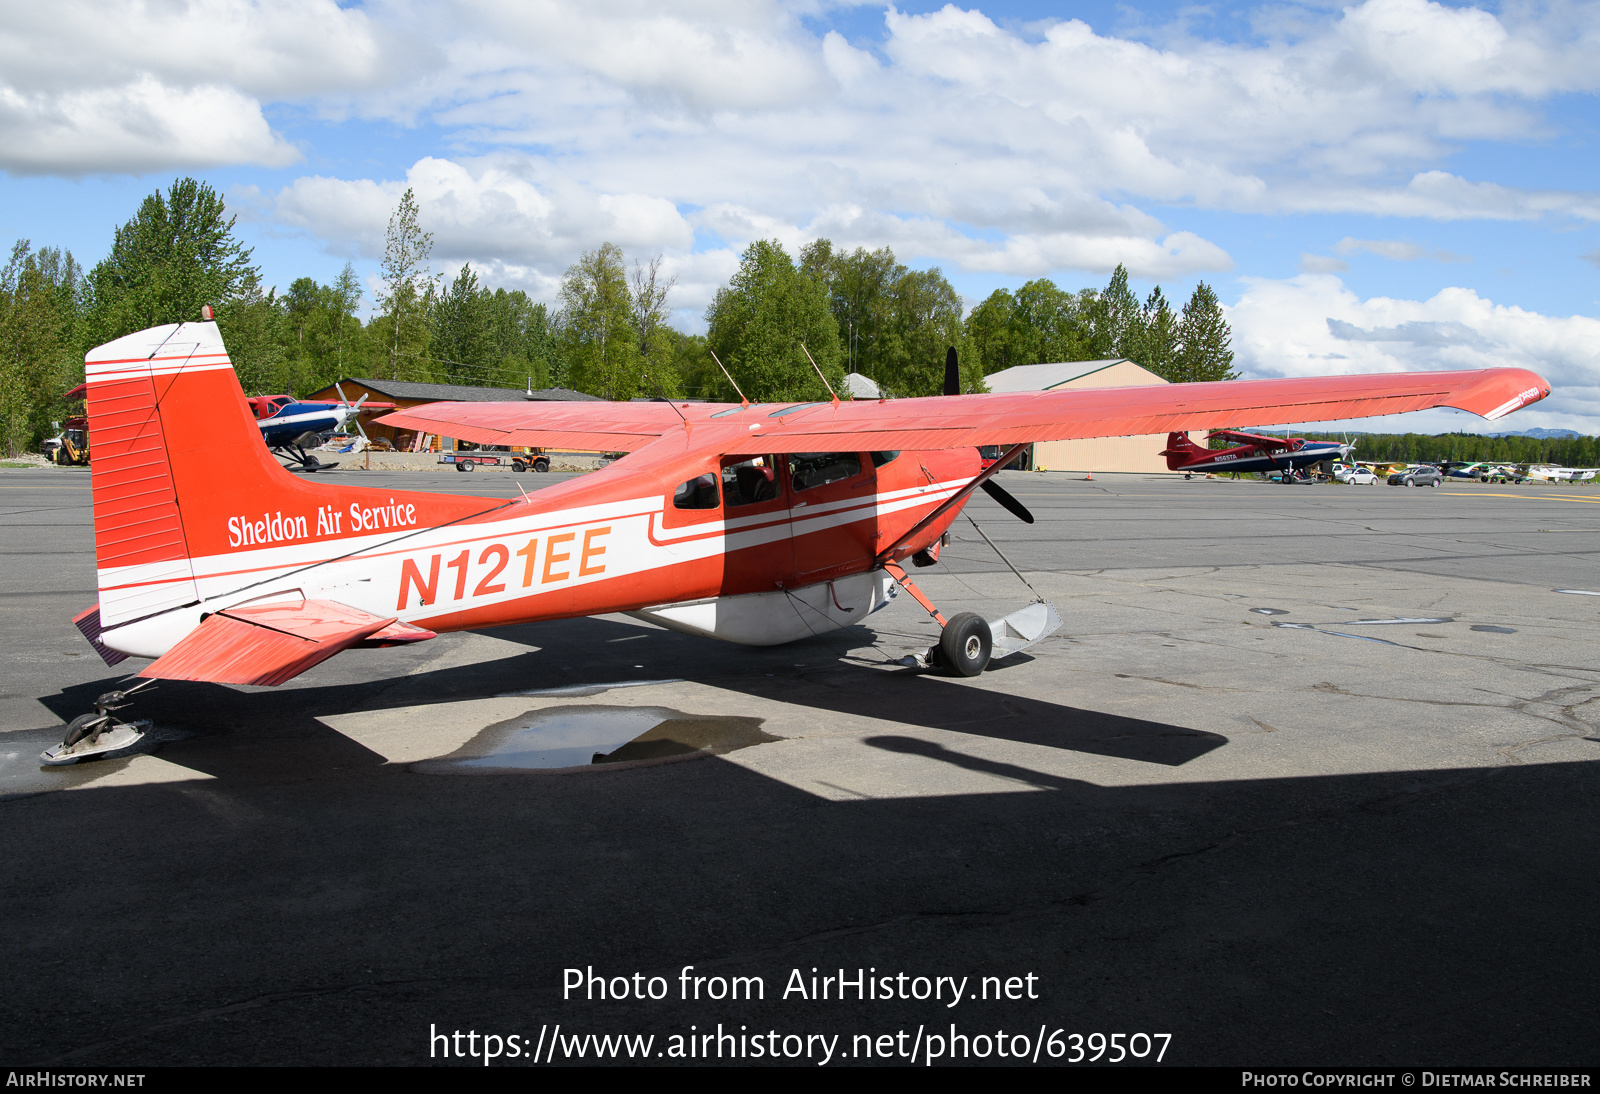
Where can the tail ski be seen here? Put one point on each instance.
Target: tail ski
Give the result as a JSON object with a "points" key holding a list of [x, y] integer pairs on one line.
{"points": [[193, 516]]}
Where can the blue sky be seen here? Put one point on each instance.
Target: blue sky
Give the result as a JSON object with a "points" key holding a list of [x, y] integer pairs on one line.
{"points": [[1394, 184]]}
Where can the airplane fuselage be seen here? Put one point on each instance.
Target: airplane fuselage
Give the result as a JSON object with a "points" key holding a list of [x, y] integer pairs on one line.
{"points": [[1249, 458]]}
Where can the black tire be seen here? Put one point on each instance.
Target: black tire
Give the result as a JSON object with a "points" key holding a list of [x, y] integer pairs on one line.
{"points": [[541, 465], [465, 465], [965, 645], [518, 466], [82, 726]]}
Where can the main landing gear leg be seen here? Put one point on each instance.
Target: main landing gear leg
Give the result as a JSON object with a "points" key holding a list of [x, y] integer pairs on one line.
{"points": [[965, 642]]}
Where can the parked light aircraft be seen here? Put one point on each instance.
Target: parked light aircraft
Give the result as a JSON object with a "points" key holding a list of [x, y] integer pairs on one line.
{"points": [[290, 426], [754, 523], [1252, 452]]}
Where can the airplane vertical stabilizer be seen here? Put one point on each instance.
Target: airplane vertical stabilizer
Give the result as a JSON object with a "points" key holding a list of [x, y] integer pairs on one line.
{"points": [[1180, 450], [185, 491]]}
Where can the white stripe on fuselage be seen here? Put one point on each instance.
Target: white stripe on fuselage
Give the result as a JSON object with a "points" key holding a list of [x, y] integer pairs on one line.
{"points": [[593, 543]]}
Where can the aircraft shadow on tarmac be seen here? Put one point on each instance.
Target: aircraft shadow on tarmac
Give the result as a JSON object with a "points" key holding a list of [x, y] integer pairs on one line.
{"points": [[573, 653]]}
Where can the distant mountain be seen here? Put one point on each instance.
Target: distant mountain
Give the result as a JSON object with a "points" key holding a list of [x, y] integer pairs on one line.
{"points": [[1540, 434]]}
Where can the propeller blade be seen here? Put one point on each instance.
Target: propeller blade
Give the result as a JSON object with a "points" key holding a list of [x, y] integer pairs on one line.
{"points": [[952, 372], [342, 397], [998, 493]]}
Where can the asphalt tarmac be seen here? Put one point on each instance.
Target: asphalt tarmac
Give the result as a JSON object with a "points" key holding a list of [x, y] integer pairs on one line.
{"points": [[1307, 777]]}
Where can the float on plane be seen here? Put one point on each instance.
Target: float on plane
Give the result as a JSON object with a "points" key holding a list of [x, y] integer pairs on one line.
{"points": [[750, 523]]}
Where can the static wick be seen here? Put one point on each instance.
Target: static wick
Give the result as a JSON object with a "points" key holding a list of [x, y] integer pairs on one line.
{"points": [[742, 400], [823, 378]]}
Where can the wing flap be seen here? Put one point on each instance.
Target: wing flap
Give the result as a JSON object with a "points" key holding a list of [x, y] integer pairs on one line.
{"points": [[265, 644]]}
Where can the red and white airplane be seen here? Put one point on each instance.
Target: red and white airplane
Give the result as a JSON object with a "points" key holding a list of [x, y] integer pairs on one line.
{"points": [[757, 524]]}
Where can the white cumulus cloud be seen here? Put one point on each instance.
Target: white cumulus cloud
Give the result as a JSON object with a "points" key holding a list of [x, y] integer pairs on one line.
{"points": [[1314, 325]]}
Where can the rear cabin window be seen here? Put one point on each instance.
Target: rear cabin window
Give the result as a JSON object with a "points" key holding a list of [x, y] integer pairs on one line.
{"points": [[812, 469], [747, 482], [699, 492]]}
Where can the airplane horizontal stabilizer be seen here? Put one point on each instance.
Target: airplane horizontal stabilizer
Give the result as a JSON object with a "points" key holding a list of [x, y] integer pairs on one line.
{"points": [[269, 643]]}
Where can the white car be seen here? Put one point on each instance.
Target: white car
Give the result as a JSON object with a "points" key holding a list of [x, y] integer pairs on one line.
{"points": [[1355, 476]]}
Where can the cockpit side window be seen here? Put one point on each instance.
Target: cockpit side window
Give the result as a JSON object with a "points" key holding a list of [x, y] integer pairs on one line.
{"points": [[699, 492], [749, 481], [812, 469]]}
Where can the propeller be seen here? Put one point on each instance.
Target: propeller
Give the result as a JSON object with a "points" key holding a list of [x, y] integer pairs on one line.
{"points": [[998, 493], [952, 386], [352, 414]]}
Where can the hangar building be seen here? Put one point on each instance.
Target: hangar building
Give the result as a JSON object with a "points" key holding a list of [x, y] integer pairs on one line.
{"points": [[1141, 453]]}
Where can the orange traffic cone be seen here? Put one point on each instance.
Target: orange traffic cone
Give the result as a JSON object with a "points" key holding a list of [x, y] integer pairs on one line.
{"points": [[1089, 477]]}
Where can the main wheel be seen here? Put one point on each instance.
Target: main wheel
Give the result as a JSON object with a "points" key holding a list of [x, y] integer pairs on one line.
{"points": [[965, 644], [465, 465]]}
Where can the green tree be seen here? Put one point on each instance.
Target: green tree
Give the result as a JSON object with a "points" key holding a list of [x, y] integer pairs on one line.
{"points": [[1203, 340], [39, 359], [1115, 319], [252, 326], [343, 301], [924, 319], [766, 317], [461, 339], [599, 343], [859, 286], [1154, 341], [522, 337], [177, 254], [405, 276]]}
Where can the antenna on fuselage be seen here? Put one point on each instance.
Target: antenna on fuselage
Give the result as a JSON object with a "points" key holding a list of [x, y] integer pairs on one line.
{"points": [[743, 401], [823, 378]]}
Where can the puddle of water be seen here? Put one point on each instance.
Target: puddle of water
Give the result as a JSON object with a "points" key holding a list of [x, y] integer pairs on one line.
{"points": [[1390, 622], [1338, 634], [566, 737], [583, 691], [1485, 628], [1269, 611], [1368, 638]]}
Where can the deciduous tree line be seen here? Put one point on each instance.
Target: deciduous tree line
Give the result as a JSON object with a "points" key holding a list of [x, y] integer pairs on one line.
{"points": [[778, 321]]}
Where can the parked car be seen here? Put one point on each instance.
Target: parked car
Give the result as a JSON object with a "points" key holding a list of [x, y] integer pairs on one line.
{"points": [[1355, 476], [1417, 476]]}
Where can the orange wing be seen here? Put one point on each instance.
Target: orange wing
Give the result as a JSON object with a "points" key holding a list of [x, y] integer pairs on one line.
{"points": [[582, 427], [954, 421]]}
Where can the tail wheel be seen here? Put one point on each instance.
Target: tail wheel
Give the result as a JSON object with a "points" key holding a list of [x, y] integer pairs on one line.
{"points": [[965, 645], [84, 725]]}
